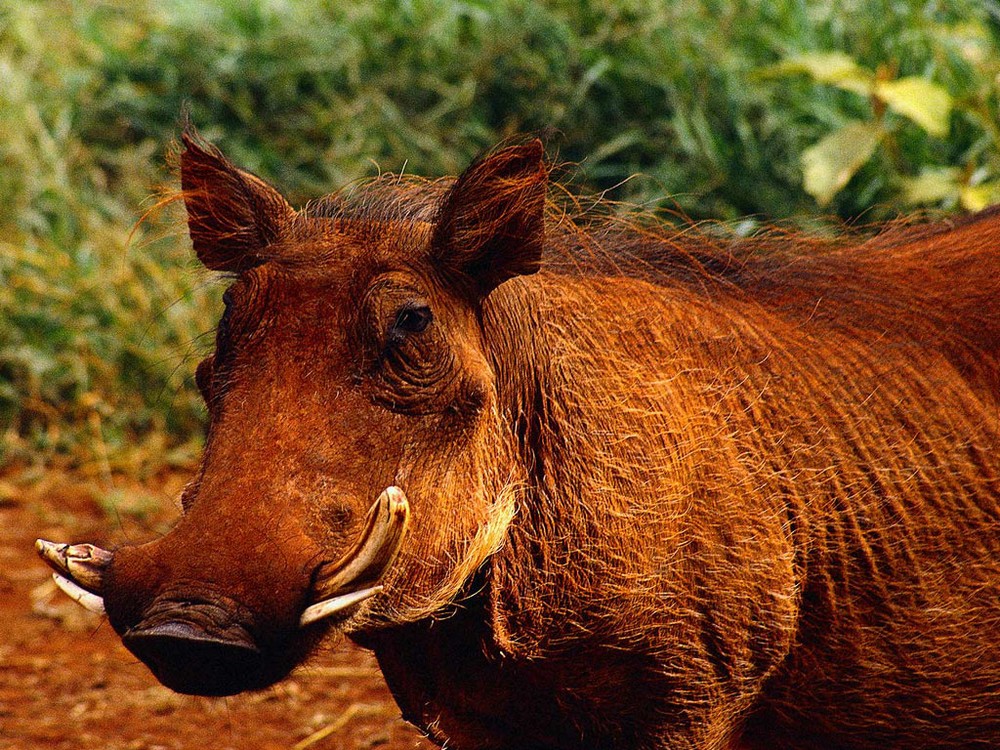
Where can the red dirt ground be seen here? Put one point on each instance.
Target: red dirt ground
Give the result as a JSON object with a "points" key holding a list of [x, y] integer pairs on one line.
{"points": [[67, 683]]}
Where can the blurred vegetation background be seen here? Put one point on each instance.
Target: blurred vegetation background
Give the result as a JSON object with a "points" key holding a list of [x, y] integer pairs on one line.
{"points": [[857, 109]]}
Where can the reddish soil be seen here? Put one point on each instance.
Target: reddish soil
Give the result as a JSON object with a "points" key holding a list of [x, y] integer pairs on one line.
{"points": [[66, 682]]}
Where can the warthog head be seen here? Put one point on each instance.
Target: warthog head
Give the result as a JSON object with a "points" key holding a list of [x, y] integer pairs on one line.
{"points": [[350, 388]]}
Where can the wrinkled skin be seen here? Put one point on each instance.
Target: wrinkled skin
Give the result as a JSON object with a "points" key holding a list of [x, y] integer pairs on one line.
{"points": [[663, 494]]}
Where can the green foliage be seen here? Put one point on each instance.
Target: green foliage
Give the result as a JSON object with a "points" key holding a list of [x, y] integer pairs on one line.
{"points": [[96, 327], [829, 165], [719, 108]]}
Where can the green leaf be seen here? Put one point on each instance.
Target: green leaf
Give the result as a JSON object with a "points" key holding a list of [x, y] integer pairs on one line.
{"points": [[933, 185], [829, 165], [923, 101], [835, 68]]}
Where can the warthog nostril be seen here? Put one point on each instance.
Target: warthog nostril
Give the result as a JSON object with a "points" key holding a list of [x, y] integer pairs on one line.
{"points": [[186, 658]]}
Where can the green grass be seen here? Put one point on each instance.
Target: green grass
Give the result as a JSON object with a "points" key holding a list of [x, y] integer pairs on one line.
{"points": [[667, 104]]}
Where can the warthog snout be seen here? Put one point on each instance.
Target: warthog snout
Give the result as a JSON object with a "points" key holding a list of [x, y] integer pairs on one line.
{"points": [[197, 648], [207, 621]]}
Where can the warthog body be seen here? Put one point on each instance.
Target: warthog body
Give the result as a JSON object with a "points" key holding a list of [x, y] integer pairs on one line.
{"points": [[664, 492]]}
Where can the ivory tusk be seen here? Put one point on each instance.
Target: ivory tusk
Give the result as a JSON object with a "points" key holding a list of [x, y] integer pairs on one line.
{"points": [[83, 564], [349, 581], [376, 550], [87, 600], [336, 604]]}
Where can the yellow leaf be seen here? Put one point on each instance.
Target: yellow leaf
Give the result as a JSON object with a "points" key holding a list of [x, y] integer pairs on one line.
{"points": [[830, 164], [835, 68], [978, 197], [932, 185], [923, 101]]}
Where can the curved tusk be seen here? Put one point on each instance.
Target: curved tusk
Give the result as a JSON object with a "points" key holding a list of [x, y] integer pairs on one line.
{"points": [[83, 564], [380, 542], [336, 604], [348, 581], [84, 598]]}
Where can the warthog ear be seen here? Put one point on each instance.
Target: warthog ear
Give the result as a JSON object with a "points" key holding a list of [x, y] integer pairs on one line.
{"points": [[232, 215], [491, 224]]}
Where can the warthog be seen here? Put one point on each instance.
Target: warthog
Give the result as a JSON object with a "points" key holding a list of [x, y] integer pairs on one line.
{"points": [[633, 487]]}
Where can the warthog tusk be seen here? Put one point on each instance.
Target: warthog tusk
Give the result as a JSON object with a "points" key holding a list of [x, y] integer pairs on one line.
{"points": [[84, 598], [83, 564], [349, 580], [336, 604], [79, 571]]}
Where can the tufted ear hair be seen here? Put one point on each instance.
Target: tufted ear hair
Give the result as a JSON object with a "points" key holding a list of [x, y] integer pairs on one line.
{"points": [[491, 224], [232, 215]]}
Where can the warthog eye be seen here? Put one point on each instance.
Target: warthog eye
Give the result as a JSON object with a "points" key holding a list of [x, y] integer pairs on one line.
{"points": [[413, 317], [410, 361]]}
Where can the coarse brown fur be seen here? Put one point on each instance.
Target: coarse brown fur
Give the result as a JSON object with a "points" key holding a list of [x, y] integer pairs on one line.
{"points": [[669, 490]]}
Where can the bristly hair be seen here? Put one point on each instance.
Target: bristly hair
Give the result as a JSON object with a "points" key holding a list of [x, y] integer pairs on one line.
{"points": [[929, 278], [389, 197]]}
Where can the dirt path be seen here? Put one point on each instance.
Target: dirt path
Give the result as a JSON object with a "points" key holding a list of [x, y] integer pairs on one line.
{"points": [[67, 683]]}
